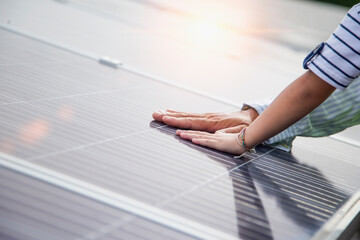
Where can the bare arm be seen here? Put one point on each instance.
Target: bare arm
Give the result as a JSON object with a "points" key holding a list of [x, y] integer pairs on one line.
{"points": [[297, 100]]}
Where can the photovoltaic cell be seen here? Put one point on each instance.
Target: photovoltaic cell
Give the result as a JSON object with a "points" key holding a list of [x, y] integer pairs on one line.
{"points": [[31, 209], [93, 123]]}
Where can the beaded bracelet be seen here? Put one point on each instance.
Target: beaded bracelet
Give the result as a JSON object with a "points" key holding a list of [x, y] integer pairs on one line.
{"points": [[242, 143]]}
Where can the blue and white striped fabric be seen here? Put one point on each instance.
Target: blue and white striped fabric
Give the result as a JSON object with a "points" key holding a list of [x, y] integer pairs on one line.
{"points": [[339, 61]]}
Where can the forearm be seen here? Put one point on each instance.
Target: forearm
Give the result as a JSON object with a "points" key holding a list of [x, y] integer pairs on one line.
{"points": [[296, 101]]}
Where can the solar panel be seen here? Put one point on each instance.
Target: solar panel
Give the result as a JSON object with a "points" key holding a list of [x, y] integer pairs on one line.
{"points": [[81, 158]]}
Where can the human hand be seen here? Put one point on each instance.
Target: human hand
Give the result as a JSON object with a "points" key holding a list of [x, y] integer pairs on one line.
{"points": [[232, 122], [225, 142]]}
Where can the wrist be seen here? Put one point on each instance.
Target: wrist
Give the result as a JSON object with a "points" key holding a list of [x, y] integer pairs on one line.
{"points": [[249, 140], [241, 141], [252, 114]]}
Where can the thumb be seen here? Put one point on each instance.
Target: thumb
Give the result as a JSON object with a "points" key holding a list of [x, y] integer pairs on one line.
{"points": [[235, 129]]}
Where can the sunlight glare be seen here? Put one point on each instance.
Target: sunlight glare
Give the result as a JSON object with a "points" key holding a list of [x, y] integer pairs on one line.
{"points": [[209, 31], [205, 32]]}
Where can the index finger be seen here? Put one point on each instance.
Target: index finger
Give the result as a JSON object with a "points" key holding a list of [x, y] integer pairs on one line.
{"points": [[158, 116], [201, 124]]}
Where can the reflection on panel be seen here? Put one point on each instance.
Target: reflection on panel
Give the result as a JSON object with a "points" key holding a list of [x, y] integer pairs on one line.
{"points": [[275, 195]]}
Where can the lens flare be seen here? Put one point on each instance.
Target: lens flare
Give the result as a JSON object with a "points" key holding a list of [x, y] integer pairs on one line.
{"points": [[206, 32]]}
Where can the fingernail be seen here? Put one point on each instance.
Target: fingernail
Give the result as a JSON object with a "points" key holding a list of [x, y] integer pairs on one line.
{"points": [[178, 132], [160, 112]]}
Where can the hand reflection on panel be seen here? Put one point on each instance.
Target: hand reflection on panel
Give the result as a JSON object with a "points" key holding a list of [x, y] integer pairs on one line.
{"points": [[275, 195], [302, 193], [251, 219]]}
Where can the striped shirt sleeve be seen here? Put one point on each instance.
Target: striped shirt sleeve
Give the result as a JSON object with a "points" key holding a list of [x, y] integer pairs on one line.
{"points": [[338, 62]]}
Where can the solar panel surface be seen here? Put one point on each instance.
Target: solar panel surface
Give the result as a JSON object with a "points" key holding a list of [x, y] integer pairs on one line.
{"points": [[82, 159]]}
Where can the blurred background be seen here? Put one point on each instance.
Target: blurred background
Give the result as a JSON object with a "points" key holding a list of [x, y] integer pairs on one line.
{"points": [[347, 3]]}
